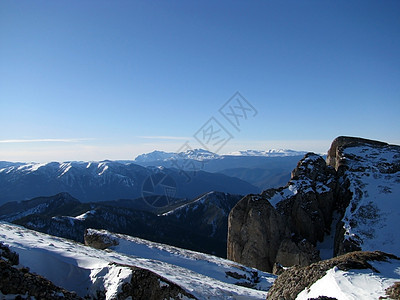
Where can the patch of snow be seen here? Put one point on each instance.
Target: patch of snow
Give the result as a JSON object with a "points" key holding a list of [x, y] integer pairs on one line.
{"points": [[64, 167], [355, 284], [190, 205], [28, 168], [103, 167], [14, 296], [163, 283], [85, 215], [283, 195], [293, 189]]}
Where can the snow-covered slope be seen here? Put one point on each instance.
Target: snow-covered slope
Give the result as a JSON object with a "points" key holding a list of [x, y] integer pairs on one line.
{"points": [[86, 270], [373, 214], [357, 275], [355, 284]]}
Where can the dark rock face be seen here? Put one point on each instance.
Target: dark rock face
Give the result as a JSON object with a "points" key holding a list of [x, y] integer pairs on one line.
{"points": [[294, 280], [255, 232], [282, 225], [147, 285]]}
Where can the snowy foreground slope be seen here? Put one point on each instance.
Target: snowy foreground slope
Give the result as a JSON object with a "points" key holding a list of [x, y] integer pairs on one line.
{"points": [[86, 270], [355, 284], [358, 275]]}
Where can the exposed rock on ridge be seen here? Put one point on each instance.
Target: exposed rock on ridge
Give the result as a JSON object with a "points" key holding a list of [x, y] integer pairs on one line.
{"points": [[369, 173], [284, 225]]}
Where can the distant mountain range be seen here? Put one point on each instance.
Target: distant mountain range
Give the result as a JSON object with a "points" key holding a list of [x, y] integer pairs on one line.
{"points": [[111, 180], [201, 154], [263, 169], [176, 176]]}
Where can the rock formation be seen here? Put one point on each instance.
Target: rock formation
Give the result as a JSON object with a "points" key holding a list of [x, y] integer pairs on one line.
{"points": [[145, 284], [296, 279], [283, 226], [99, 239]]}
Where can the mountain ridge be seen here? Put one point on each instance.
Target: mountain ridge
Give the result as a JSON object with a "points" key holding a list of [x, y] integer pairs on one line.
{"points": [[110, 180], [199, 224], [201, 154]]}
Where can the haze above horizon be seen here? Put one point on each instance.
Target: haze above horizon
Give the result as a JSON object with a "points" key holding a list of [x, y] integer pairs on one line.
{"points": [[96, 80]]}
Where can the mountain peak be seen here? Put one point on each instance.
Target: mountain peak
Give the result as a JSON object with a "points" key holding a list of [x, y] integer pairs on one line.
{"points": [[268, 153], [196, 154]]}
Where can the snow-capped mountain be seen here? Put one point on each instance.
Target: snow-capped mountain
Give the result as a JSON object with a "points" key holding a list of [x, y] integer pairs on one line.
{"points": [[194, 154], [110, 180], [201, 154], [132, 262], [264, 169], [268, 153]]}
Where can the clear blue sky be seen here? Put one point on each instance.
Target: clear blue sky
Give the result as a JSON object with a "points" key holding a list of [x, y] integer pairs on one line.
{"points": [[92, 80]]}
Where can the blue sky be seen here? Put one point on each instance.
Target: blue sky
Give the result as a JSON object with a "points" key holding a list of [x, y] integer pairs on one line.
{"points": [[93, 80]]}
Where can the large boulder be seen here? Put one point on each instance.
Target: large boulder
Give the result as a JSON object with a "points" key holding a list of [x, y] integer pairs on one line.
{"points": [[99, 239], [283, 225], [256, 230]]}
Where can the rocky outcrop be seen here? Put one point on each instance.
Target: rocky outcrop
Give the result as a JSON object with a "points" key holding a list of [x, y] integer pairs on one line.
{"points": [[393, 292], [368, 173], [335, 152], [145, 284], [296, 279], [357, 184], [99, 239], [283, 225], [256, 231]]}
